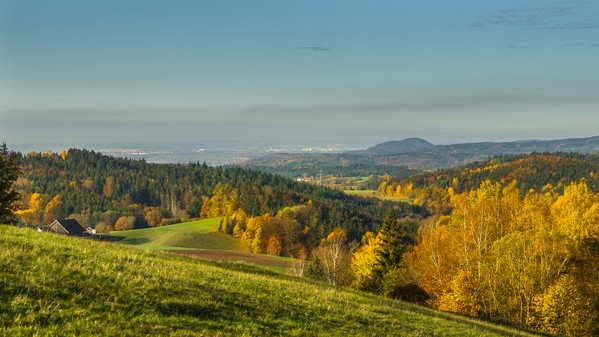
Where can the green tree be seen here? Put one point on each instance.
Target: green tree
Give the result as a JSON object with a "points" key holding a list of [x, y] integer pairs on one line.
{"points": [[315, 270], [391, 247], [9, 172], [195, 207]]}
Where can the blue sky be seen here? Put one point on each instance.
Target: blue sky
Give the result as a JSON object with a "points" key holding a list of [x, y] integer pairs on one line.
{"points": [[276, 70]]}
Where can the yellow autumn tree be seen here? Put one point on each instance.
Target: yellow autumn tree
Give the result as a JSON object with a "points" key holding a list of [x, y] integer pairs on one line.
{"points": [[576, 212], [108, 186], [565, 309], [364, 264], [519, 267], [33, 214], [273, 246], [435, 259], [153, 216], [125, 223], [334, 256], [51, 209]]}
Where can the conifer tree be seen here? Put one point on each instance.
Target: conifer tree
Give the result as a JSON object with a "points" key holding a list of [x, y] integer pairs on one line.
{"points": [[391, 247], [9, 171]]}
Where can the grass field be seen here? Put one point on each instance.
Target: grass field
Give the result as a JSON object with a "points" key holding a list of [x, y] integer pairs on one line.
{"points": [[53, 285], [375, 194], [363, 193], [200, 239], [200, 234]]}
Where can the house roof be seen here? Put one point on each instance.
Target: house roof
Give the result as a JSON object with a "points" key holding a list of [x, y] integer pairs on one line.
{"points": [[72, 226]]}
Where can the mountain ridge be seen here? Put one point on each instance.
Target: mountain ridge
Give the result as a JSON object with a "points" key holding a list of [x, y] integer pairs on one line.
{"points": [[419, 145], [417, 153]]}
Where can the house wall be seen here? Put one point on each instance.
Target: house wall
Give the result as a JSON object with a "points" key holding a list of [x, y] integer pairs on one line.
{"points": [[56, 227]]}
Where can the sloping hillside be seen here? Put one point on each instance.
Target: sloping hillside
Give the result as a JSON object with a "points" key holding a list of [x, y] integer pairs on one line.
{"points": [[55, 285], [200, 238], [199, 234]]}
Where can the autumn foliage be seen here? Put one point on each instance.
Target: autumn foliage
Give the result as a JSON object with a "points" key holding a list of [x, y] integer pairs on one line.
{"points": [[530, 260]]}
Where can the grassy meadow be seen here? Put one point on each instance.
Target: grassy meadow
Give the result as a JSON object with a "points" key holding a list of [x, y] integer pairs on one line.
{"points": [[376, 194], [201, 239], [53, 285], [199, 234]]}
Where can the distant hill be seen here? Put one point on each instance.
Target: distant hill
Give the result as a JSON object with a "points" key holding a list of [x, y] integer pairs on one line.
{"points": [[416, 153], [532, 171], [62, 286], [408, 145], [541, 172]]}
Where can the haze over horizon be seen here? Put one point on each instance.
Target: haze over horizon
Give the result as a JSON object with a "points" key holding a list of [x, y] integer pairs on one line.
{"points": [[331, 72]]}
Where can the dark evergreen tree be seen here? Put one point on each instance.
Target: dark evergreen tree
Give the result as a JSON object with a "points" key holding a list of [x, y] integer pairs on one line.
{"points": [[315, 270], [9, 172], [392, 245], [195, 207]]}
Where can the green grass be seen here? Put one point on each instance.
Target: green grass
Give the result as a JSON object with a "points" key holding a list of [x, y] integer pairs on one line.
{"points": [[53, 285], [200, 234], [199, 238], [363, 193], [398, 199], [376, 194]]}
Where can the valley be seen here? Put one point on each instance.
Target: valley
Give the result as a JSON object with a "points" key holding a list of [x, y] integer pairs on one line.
{"points": [[456, 239]]}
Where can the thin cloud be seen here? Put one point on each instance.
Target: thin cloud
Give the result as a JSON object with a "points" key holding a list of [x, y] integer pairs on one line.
{"points": [[581, 17], [429, 107], [313, 48], [518, 46]]}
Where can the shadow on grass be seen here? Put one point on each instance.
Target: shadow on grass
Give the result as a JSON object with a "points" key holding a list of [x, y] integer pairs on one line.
{"points": [[499, 327], [242, 267], [120, 239]]}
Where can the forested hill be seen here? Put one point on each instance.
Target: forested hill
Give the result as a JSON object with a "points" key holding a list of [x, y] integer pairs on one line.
{"points": [[117, 193], [541, 172], [417, 145], [415, 153], [534, 171]]}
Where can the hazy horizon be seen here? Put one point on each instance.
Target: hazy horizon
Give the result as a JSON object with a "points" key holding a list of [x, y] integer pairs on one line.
{"points": [[352, 72]]}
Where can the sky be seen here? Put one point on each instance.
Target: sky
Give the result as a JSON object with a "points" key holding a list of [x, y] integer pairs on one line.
{"points": [[336, 71]]}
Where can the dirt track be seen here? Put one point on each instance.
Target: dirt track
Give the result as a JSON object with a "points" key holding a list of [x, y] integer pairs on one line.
{"points": [[223, 255]]}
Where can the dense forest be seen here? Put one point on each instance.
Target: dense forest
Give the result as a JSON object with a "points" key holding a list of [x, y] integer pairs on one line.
{"points": [[292, 168], [537, 171], [116, 193]]}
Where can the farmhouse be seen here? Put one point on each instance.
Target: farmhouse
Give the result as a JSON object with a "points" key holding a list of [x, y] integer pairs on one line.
{"points": [[67, 226]]}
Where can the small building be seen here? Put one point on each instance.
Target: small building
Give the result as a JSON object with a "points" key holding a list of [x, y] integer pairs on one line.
{"points": [[67, 227]]}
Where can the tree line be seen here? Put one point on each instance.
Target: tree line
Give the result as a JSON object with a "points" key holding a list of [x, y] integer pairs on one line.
{"points": [[538, 171], [118, 193]]}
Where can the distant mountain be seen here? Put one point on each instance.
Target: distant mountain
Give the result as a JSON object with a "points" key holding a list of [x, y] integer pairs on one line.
{"points": [[417, 145], [416, 153], [408, 145]]}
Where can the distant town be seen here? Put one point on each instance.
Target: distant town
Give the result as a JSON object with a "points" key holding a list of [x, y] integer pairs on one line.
{"points": [[214, 153]]}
